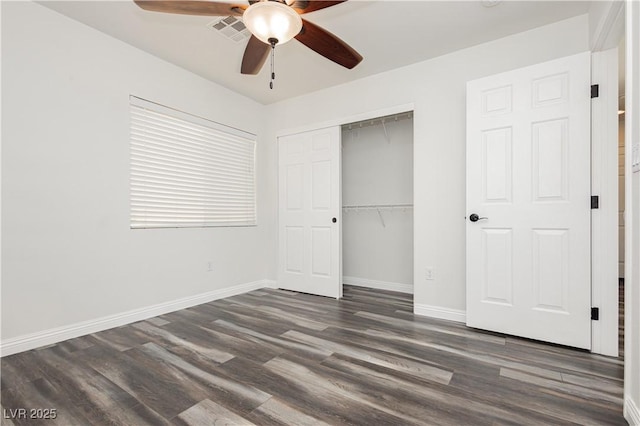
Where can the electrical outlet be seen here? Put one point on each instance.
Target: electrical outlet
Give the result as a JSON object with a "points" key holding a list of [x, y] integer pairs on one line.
{"points": [[209, 266], [429, 274]]}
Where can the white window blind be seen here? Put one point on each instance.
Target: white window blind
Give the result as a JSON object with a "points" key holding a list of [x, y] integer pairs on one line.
{"points": [[187, 171]]}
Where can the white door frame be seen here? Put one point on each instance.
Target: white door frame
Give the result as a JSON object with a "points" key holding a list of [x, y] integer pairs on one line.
{"points": [[368, 115], [606, 34], [604, 220]]}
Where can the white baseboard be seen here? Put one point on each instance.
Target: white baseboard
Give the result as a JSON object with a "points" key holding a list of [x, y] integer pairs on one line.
{"points": [[631, 412], [440, 312], [55, 335], [380, 285]]}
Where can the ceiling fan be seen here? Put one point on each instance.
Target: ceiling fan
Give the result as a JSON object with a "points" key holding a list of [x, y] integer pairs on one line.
{"points": [[271, 23]]}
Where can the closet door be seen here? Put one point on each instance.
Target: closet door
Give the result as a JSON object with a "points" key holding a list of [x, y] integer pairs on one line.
{"points": [[309, 227]]}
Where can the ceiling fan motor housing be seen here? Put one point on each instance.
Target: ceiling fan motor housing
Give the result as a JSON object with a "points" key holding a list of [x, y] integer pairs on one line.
{"points": [[272, 20]]}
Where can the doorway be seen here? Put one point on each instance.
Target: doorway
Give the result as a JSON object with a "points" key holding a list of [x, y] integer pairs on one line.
{"points": [[377, 203]]}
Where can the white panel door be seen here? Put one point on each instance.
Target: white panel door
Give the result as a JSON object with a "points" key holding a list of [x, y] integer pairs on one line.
{"points": [[309, 212], [528, 183]]}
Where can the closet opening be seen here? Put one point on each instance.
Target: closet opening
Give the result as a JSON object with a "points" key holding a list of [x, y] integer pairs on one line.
{"points": [[377, 203]]}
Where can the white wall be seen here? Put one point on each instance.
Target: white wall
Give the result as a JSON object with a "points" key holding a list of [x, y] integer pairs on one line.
{"points": [[68, 253], [377, 171], [436, 88]]}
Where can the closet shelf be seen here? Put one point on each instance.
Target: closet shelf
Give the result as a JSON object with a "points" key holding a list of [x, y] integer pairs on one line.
{"points": [[378, 207]]}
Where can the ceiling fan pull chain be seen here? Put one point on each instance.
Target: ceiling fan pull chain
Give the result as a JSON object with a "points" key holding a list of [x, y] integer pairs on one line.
{"points": [[273, 42], [273, 74]]}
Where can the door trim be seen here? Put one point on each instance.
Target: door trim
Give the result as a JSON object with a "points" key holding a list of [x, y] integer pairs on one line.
{"points": [[367, 115], [604, 220]]}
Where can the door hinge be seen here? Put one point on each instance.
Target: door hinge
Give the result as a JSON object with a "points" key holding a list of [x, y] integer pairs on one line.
{"points": [[595, 90], [595, 314], [595, 201]]}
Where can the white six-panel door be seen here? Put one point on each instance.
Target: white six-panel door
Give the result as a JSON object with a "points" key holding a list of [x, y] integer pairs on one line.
{"points": [[309, 212], [528, 174]]}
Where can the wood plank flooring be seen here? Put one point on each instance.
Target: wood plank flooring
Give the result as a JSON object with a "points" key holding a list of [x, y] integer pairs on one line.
{"points": [[273, 357]]}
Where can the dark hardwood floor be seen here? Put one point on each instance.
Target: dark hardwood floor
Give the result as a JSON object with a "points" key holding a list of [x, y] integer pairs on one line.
{"points": [[278, 357]]}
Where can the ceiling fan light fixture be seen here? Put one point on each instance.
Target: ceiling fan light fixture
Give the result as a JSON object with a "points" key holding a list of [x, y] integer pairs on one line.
{"points": [[272, 20]]}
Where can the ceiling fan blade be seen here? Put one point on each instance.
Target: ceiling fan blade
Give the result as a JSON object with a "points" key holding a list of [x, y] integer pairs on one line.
{"points": [[328, 45], [254, 57], [308, 6], [192, 7]]}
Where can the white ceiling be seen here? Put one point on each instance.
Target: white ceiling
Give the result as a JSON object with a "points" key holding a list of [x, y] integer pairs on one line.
{"points": [[389, 34]]}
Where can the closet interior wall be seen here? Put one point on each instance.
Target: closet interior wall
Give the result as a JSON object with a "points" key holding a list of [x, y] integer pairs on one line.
{"points": [[377, 199]]}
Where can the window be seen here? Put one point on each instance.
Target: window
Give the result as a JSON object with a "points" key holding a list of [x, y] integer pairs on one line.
{"points": [[187, 171]]}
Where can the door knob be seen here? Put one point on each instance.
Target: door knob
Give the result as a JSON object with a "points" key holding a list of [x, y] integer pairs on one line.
{"points": [[334, 220], [474, 217]]}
